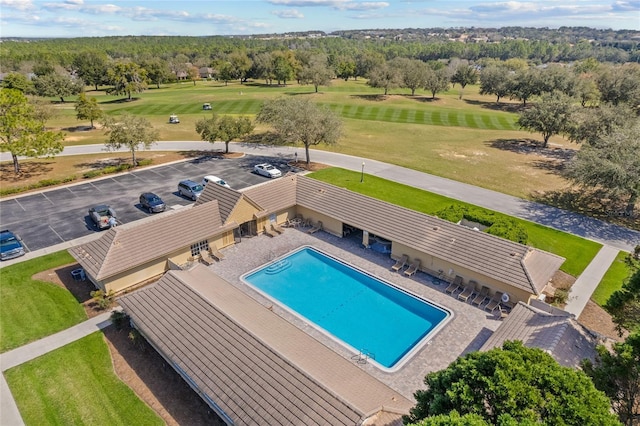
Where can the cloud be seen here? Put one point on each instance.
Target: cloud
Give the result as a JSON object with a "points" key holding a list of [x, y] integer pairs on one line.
{"points": [[17, 4], [334, 4], [626, 6], [288, 14]]}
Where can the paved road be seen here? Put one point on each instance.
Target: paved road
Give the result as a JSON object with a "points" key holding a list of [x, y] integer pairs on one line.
{"points": [[594, 229]]}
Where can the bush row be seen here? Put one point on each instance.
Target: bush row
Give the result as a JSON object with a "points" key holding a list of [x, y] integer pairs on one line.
{"points": [[496, 224]]}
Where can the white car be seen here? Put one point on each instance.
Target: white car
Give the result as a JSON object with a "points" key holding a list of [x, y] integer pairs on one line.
{"points": [[267, 170], [214, 179]]}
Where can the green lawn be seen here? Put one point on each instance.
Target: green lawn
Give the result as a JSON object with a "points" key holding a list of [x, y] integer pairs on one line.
{"points": [[34, 309], [76, 385], [617, 273], [578, 251]]}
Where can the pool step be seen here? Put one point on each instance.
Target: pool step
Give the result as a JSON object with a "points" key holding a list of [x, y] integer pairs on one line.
{"points": [[277, 267]]}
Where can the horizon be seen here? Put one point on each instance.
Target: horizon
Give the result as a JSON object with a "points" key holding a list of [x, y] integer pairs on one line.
{"points": [[100, 18]]}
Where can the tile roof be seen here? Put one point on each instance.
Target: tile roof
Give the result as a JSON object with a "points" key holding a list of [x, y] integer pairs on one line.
{"points": [[274, 195], [557, 333], [506, 261], [130, 245], [227, 198], [256, 366]]}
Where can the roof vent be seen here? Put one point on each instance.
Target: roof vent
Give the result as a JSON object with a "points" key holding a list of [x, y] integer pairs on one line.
{"points": [[322, 191], [453, 240], [435, 228], [513, 253]]}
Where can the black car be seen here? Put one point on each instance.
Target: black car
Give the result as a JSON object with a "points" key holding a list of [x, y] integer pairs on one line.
{"points": [[152, 202], [10, 245]]}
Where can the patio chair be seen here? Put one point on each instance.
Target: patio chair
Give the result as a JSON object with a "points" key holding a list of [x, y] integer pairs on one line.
{"points": [[316, 228], [481, 297], [468, 291], [413, 268], [213, 251], [400, 263], [206, 258], [455, 285], [268, 233], [494, 302], [277, 228], [502, 313]]}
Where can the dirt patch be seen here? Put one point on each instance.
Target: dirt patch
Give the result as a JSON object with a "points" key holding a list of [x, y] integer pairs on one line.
{"points": [[156, 382], [311, 167], [597, 319], [81, 290]]}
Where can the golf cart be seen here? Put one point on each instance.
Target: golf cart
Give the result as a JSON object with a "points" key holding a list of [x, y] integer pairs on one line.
{"points": [[173, 119], [206, 106]]}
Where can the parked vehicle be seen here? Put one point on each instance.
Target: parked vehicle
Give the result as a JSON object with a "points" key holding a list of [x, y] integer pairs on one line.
{"points": [[267, 170], [214, 179], [190, 189], [173, 119], [102, 216], [206, 106], [10, 245], [151, 202]]}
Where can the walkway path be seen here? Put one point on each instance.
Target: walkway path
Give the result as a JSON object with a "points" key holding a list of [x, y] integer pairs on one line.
{"points": [[9, 414], [587, 282]]}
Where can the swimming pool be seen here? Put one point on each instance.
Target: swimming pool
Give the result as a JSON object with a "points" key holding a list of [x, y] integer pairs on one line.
{"points": [[364, 313]]}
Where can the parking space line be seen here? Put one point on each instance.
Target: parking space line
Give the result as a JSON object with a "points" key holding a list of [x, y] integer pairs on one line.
{"points": [[57, 235], [47, 198], [20, 205]]}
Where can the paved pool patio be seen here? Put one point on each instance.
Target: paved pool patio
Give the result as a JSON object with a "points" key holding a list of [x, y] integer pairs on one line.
{"points": [[469, 328]]}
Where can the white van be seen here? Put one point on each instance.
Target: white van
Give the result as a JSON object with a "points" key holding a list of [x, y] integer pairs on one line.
{"points": [[214, 179]]}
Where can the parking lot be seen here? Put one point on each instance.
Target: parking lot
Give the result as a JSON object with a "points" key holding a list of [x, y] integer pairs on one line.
{"points": [[50, 217]]}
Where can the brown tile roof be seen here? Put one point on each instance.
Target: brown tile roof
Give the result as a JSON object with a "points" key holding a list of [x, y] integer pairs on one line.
{"points": [[127, 246], [227, 199], [557, 333], [274, 195], [509, 262], [256, 366]]}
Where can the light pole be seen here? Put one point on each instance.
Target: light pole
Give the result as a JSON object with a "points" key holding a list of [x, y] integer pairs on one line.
{"points": [[362, 174], [295, 155]]}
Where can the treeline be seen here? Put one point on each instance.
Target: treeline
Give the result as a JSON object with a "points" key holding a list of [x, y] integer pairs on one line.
{"points": [[537, 46]]}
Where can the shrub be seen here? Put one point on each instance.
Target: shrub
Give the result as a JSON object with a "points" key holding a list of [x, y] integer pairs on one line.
{"points": [[102, 299], [496, 224], [119, 319]]}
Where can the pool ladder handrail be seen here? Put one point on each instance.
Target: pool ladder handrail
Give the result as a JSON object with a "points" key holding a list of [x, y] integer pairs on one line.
{"points": [[363, 356]]}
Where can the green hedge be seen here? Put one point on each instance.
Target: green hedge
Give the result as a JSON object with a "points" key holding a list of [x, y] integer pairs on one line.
{"points": [[496, 225]]}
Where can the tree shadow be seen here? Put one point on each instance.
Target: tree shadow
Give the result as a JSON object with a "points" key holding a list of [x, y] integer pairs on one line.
{"points": [[532, 146], [495, 106], [102, 163], [120, 101], [28, 170], [79, 129], [479, 340], [377, 98]]}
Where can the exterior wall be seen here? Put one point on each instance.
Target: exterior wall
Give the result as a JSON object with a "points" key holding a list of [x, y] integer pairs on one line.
{"points": [[243, 212], [329, 224], [434, 265]]}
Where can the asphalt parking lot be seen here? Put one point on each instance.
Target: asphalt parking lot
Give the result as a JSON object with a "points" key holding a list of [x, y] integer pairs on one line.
{"points": [[46, 218]]}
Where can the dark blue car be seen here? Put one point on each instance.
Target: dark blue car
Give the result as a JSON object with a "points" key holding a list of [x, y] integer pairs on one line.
{"points": [[152, 203], [10, 245]]}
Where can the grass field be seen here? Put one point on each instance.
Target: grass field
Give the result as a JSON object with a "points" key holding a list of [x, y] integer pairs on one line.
{"points": [[613, 279], [577, 251], [76, 385], [33, 309], [470, 140]]}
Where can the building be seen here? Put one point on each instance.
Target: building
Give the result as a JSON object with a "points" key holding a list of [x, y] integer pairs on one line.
{"points": [[133, 254]]}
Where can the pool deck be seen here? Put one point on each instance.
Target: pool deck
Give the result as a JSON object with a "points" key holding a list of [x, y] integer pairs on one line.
{"points": [[469, 328]]}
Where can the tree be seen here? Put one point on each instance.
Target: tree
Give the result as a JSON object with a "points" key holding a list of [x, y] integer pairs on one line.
{"points": [[589, 125], [624, 304], [298, 120], [15, 80], [366, 61], [549, 116], [618, 84], [130, 131], [317, 72], [512, 385], [617, 374], [22, 133], [463, 75], [437, 81], [525, 84], [285, 66], [495, 80], [384, 76], [91, 67], [240, 63], [126, 77], [87, 109], [57, 85], [225, 128], [413, 73], [612, 163], [158, 71], [345, 67]]}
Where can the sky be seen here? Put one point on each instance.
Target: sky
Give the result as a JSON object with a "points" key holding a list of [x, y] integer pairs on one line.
{"points": [[95, 18]]}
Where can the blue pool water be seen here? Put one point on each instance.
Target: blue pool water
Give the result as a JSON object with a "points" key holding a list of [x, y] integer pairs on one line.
{"points": [[365, 313]]}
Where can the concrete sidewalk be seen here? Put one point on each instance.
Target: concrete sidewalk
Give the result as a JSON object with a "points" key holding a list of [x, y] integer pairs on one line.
{"points": [[9, 414], [587, 282]]}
